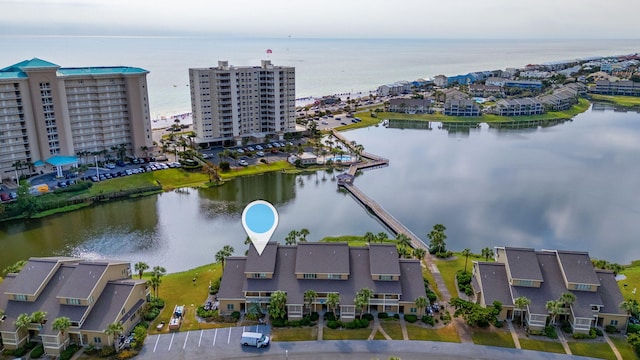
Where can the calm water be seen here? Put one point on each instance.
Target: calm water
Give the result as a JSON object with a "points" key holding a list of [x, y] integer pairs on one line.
{"points": [[323, 66], [568, 186]]}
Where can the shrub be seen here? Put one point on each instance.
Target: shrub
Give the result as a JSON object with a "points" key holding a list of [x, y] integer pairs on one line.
{"points": [[67, 353], [330, 316], [367, 316], [278, 322], [383, 315], [364, 323], [126, 354], [566, 328], [596, 331], [631, 329], [550, 332], [151, 314], [225, 166], [497, 323], [584, 336], [235, 315], [611, 329], [396, 316], [463, 278], [37, 352], [332, 324], [410, 318], [315, 316], [432, 296], [107, 351], [206, 314], [156, 303], [215, 286], [428, 319]]}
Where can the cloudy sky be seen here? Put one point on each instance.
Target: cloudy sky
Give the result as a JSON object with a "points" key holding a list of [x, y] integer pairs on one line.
{"points": [[326, 18]]}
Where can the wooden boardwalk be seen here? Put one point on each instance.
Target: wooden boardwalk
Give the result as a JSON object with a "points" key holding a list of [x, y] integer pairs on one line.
{"points": [[384, 216]]}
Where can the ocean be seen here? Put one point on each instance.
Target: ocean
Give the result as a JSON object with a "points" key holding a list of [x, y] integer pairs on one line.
{"points": [[323, 66]]}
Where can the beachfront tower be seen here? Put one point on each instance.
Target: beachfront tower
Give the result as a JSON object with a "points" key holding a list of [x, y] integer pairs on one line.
{"points": [[53, 117], [232, 103]]}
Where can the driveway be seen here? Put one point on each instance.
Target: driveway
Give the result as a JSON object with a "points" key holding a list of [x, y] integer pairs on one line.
{"points": [[224, 343]]}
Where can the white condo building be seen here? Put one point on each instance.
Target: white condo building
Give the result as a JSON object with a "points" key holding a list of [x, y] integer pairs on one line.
{"points": [[230, 103], [49, 115]]}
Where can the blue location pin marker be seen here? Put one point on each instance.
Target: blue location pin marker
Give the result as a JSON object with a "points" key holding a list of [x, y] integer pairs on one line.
{"points": [[259, 219]]}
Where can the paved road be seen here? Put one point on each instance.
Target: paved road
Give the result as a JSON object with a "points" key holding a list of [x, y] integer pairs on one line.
{"points": [[225, 344]]}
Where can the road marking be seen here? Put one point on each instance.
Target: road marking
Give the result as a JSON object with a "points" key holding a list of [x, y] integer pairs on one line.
{"points": [[185, 340], [214, 337], [171, 342], [199, 341], [229, 338], [156, 345]]}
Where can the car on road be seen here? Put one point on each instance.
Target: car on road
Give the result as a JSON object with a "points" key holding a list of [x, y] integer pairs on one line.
{"points": [[254, 339], [243, 162], [110, 166]]}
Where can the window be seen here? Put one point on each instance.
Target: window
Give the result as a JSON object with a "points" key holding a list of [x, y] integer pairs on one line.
{"points": [[20, 297], [335, 276], [229, 306], [97, 340], [413, 310], [310, 276], [259, 275], [525, 282], [583, 287], [73, 301], [614, 322], [385, 277]]}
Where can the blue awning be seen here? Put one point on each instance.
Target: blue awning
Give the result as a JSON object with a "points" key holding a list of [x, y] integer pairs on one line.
{"points": [[60, 160]]}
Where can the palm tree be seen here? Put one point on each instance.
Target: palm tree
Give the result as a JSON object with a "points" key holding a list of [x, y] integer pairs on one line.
{"points": [[156, 274], [22, 324], [114, 329], [403, 240], [419, 253], [303, 234], [382, 236], [154, 282], [369, 237], [521, 304], [362, 299], [421, 303], [310, 297], [61, 324], [566, 299], [140, 267], [38, 317], [291, 238], [631, 306], [212, 171], [333, 300], [278, 305], [403, 252], [487, 253], [437, 237], [466, 253], [553, 307]]}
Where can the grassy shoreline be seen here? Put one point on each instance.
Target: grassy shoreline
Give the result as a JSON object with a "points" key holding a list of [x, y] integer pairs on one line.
{"points": [[625, 101]]}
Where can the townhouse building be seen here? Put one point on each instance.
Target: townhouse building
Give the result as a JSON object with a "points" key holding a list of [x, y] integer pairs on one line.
{"points": [[543, 276], [622, 87], [461, 107], [92, 294], [518, 107], [410, 106], [325, 268]]}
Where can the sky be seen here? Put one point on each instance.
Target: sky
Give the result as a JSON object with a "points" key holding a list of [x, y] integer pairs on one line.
{"points": [[442, 19]]}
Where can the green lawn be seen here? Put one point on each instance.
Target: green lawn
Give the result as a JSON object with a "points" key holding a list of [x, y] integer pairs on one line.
{"points": [[541, 345], [295, 334], [257, 169], [346, 334], [447, 333], [632, 272], [618, 100], [179, 289], [378, 336], [493, 337], [624, 348], [448, 269], [392, 328], [353, 240], [594, 350], [426, 273]]}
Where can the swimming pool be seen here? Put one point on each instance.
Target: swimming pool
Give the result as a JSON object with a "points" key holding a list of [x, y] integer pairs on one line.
{"points": [[339, 158]]}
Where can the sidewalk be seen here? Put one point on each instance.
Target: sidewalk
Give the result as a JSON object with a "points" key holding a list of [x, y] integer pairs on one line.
{"points": [[376, 328]]}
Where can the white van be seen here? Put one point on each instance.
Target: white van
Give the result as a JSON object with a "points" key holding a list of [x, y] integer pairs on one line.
{"points": [[254, 339]]}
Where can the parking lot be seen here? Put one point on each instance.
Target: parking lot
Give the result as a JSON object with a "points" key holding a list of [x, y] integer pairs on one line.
{"points": [[199, 343]]}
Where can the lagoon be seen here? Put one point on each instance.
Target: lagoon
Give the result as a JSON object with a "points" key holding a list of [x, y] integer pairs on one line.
{"points": [[568, 185]]}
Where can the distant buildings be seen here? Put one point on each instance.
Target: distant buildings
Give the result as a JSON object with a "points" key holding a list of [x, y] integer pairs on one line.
{"points": [[461, 107], [410, 106], [543, 276], [519, 107], [622, 87], [92, 294], [230, 103], [325, 268], [397, 88], [50, 114]]}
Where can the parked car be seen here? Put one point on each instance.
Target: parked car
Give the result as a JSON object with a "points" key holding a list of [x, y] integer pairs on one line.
{"points": [[259, 147], [13, 195], [254, 339], [5, 197], [243, 162], [260, 153], [250, 148]]}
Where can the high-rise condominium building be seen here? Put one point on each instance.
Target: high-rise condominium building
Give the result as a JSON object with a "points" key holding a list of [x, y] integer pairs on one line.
{"points": [[230, 103], [52, 116]]}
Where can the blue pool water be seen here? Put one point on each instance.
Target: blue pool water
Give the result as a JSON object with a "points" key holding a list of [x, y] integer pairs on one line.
{"points": [[341, 158]]}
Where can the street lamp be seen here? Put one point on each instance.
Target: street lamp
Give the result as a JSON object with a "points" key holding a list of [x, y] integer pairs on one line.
{"points": [[97, 171]]}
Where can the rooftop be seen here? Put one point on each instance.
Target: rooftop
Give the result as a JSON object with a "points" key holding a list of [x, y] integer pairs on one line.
{"points": [[18, 71]]}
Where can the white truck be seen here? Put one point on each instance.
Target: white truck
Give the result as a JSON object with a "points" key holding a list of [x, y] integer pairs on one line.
{"points": [[254, 339]]}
